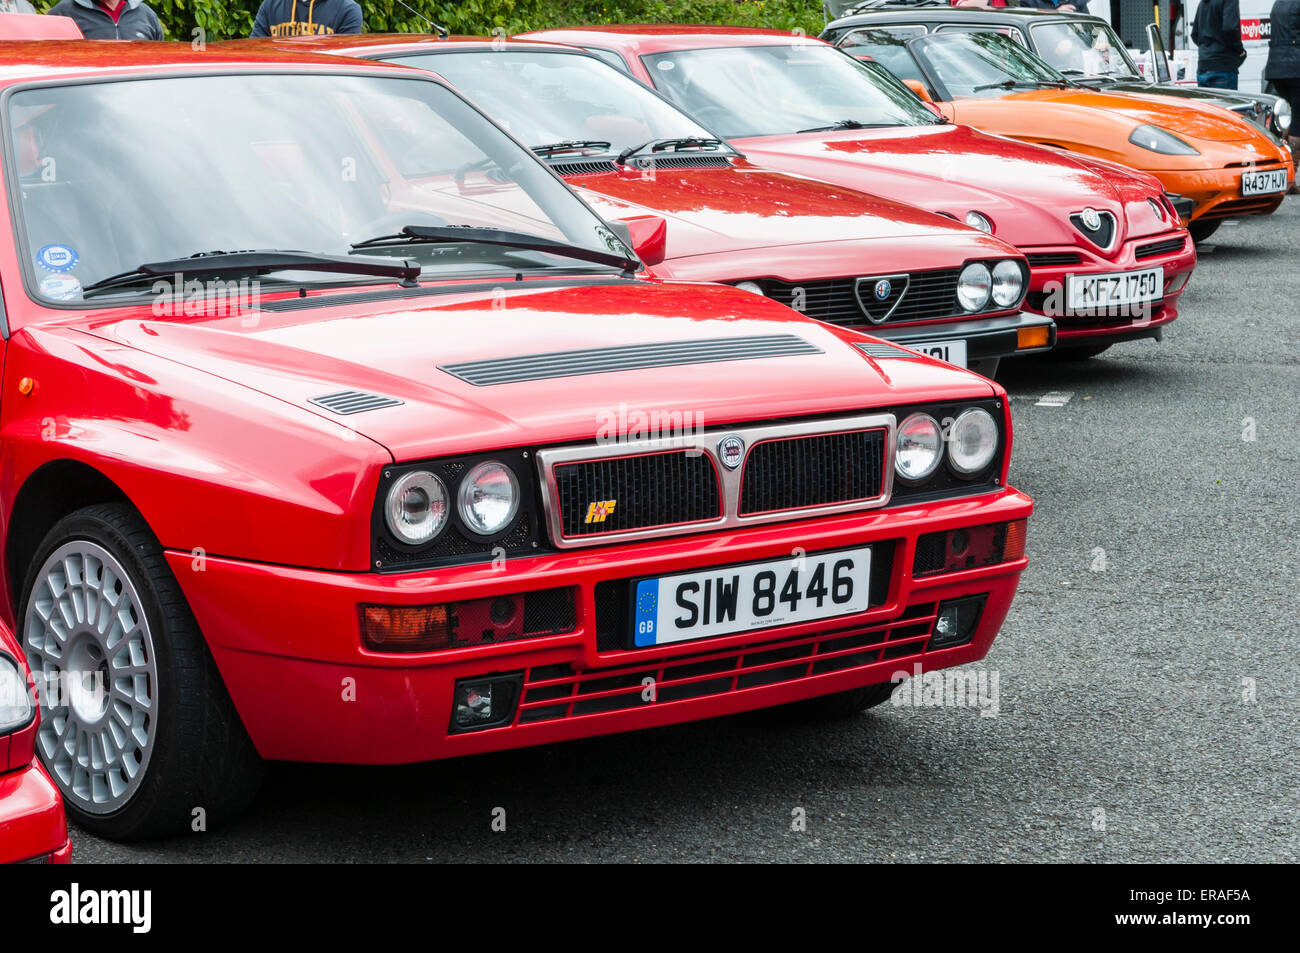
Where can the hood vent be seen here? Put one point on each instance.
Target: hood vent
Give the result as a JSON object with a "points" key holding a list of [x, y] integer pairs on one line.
{"points": [[681, 162], [604, 360], [879, 349], [353, 402], [590, 167]]}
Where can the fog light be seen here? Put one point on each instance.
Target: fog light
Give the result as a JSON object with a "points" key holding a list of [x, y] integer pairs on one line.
{"points": [[485, 702], [1027, 338], [956, 621]]}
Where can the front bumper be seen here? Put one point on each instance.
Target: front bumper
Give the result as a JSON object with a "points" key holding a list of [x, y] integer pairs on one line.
{"points": [[32, 823], [1217, 192], [986, 338], [288, 646], [1047, 284]]}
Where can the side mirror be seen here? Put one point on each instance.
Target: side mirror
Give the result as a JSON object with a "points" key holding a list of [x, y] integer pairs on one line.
{"points": [[918, 87], [647, 235]]}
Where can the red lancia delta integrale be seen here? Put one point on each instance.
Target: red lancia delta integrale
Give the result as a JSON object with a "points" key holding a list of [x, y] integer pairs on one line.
{"points": [[336, 428]]}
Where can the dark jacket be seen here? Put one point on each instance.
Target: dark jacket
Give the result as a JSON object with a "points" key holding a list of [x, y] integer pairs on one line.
{"points": [[307, 17], [1080, 6], [136, 22], [1284, 41], [1216, 31]]}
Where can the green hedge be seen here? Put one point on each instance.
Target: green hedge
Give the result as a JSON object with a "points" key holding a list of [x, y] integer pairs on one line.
{"points": [[227, 19]]}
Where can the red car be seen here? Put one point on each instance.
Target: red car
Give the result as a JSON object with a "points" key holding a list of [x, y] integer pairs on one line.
{"points": [[1107, 253], [381, 447], [835, 254], [32, 824]]}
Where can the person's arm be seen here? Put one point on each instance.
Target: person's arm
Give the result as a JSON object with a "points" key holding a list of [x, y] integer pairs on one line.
{"points": [[157, 29], [260, 27], [1232, 30], [351, 22]]}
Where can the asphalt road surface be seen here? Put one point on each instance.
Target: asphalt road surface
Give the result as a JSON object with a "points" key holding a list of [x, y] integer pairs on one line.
{"points": [[1148, 675]]}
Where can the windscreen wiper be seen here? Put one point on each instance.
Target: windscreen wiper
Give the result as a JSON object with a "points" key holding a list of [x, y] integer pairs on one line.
{"points": [[242, 264], [846, 124], [1021, 84], [570, 145], [456, 234], [665, 145]]}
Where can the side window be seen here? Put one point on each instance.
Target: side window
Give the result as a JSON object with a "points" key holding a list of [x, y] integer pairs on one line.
{"points": [[610, 57]]}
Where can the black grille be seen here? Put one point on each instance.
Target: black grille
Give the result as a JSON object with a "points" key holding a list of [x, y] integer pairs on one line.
{"points": [[1156, 249], [681, 162], [596, 497], [928, 295], [813, 471], [1102, 235], [1045, 258], [590, 167]]}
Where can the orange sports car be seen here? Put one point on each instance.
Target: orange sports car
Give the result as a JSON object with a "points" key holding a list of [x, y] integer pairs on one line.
{"points": [[1220, 165]]}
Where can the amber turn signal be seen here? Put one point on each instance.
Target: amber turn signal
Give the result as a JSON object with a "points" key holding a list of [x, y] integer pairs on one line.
{"points": [[1028, 338], [405, 629], [1013, 546]]}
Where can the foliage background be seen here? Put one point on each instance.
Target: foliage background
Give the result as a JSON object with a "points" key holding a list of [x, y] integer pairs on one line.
{"points": [[229, 19]]}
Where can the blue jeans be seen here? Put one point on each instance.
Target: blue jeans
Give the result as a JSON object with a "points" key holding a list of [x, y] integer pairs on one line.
{"points": [[1217, 80]]}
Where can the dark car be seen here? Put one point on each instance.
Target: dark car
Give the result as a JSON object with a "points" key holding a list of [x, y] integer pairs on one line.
{"points": [[1085, 48]]}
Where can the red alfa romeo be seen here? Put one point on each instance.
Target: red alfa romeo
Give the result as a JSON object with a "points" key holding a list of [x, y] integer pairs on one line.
{"points": [[336, 428], [908, 275], [1107, 254]]}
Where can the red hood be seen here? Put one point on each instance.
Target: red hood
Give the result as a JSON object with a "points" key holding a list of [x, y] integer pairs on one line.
{"points": [[756, 223], [1027, 191], [397, 351]]}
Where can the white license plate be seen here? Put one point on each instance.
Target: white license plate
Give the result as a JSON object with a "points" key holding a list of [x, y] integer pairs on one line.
{"points": [[1093, 292], [1268, 182], [954, 352], [728, 599]]}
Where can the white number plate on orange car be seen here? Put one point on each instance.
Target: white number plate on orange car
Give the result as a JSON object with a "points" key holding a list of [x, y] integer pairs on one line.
{"points": [[1268, 182], [728, 599]]}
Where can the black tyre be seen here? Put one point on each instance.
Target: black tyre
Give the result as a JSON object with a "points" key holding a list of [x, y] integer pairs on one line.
{"points": [[146, 736], [850, 703], [1203, 230]]}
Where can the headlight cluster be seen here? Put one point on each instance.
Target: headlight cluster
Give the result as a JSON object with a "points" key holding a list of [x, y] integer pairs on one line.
{"points": [[15, 702], [977, 220], [1155, 139], [1282, 117], [968, 443], [1003, 285], [454, 510]]}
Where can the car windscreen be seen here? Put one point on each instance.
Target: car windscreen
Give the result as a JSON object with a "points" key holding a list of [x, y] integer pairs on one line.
{"points": [[981, 64], [110, 175], [774, 90], [551, 97], [1083, 48], [888, 48]]}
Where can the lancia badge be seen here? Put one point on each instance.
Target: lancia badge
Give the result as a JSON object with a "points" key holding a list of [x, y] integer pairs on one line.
{"points": [[731, 450]]}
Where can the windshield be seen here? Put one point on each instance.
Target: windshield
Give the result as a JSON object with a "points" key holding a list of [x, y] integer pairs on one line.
{"points": [[1083, 48], [981, 64], [113, 175], [888, 48], [546, 98], [775, 90]]}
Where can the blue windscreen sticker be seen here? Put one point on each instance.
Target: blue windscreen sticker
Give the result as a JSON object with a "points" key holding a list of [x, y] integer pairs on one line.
{"points": [[59, 259]]}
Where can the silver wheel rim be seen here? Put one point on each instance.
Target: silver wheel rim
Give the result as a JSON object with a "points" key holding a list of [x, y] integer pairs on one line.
{"points": [[88, 642]]}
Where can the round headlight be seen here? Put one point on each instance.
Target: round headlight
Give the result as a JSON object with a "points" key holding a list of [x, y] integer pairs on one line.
{"points": [[919, 447], [976, 220], [973, 286], [416, 509], [15, 703], [1282, 116], [973, 441], [750, 286], [488, 498], [1008, 283]]}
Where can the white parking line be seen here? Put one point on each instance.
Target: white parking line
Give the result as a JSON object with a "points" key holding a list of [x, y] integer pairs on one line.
{"points": [[1055, 398]]}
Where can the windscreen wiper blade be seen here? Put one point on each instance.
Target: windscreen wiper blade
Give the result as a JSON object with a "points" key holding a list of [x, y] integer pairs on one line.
{"points": [[1021, 84], [846, 124], [570, 145], [456, 234], [242, 264], [666, 145]]}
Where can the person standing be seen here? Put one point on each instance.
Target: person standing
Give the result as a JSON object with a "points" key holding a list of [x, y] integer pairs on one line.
{"points": [[1216, 31], [111, 19], [16, 6], [279, 18], [1283, 66]]}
